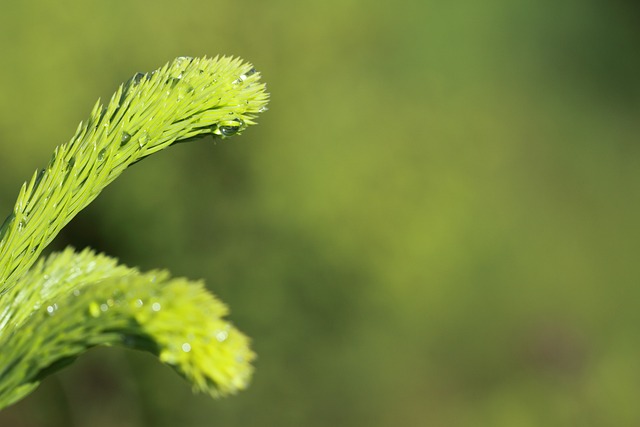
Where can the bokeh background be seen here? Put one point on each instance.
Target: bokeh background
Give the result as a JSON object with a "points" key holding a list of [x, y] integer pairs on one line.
{"points": [[435, 224]]}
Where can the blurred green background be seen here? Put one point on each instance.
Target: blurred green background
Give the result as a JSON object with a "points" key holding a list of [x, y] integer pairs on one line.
{"points": [[435, 224]]}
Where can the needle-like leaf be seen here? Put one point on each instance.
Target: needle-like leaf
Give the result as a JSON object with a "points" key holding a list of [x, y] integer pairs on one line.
{"points": [[51, 312]]}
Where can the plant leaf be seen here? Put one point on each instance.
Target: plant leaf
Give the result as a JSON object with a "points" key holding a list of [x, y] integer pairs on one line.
{"points": [[184, 99], [73, 301], [70, 302]]}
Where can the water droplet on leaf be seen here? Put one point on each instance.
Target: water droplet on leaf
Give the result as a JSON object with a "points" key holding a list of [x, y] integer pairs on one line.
{"points": [[229, 128], [130, 84], [183, 91], [173, 81], [183, 60], [241, 79], [137, 78], [134, 81], [143, 139], [125, 139], [221, 336]]}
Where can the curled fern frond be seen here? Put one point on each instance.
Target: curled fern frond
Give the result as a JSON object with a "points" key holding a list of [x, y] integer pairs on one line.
{"points": [[75, 301], [52, 312], [184, 99]]}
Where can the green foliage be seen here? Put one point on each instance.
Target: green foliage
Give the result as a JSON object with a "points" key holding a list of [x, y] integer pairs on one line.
{"points": [[53, 311]]}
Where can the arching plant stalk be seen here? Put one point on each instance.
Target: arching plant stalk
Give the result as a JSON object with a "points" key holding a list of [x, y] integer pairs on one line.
{"points": [[54, 310]]}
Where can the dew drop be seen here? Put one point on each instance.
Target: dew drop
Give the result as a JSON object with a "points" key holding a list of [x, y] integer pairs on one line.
{"points": [[135, 80], [181, 60], [222, 336], [139, 303], [173, 81], [184, 91], [231, 128], [228, 130], [101, 154], [143, 139], [76, 292], [241, 79], [130, 84], [263, 109], [52, 309], [186, 347], [22, 224], [126, 137], [156, 306], [104, 307], [68, 168]]}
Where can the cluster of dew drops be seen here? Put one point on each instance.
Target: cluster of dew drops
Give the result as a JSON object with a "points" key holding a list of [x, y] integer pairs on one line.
{"points": [[96, 309]]}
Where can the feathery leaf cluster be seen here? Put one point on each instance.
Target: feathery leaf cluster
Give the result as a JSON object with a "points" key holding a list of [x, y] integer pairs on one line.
{"points": [[53, 311]]}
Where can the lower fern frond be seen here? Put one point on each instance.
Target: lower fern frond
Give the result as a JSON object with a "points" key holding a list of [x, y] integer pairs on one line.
{"points": [[84, 300]]}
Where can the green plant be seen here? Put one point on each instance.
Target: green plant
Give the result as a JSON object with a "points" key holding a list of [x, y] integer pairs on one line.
{"points": [[54, 309]]}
